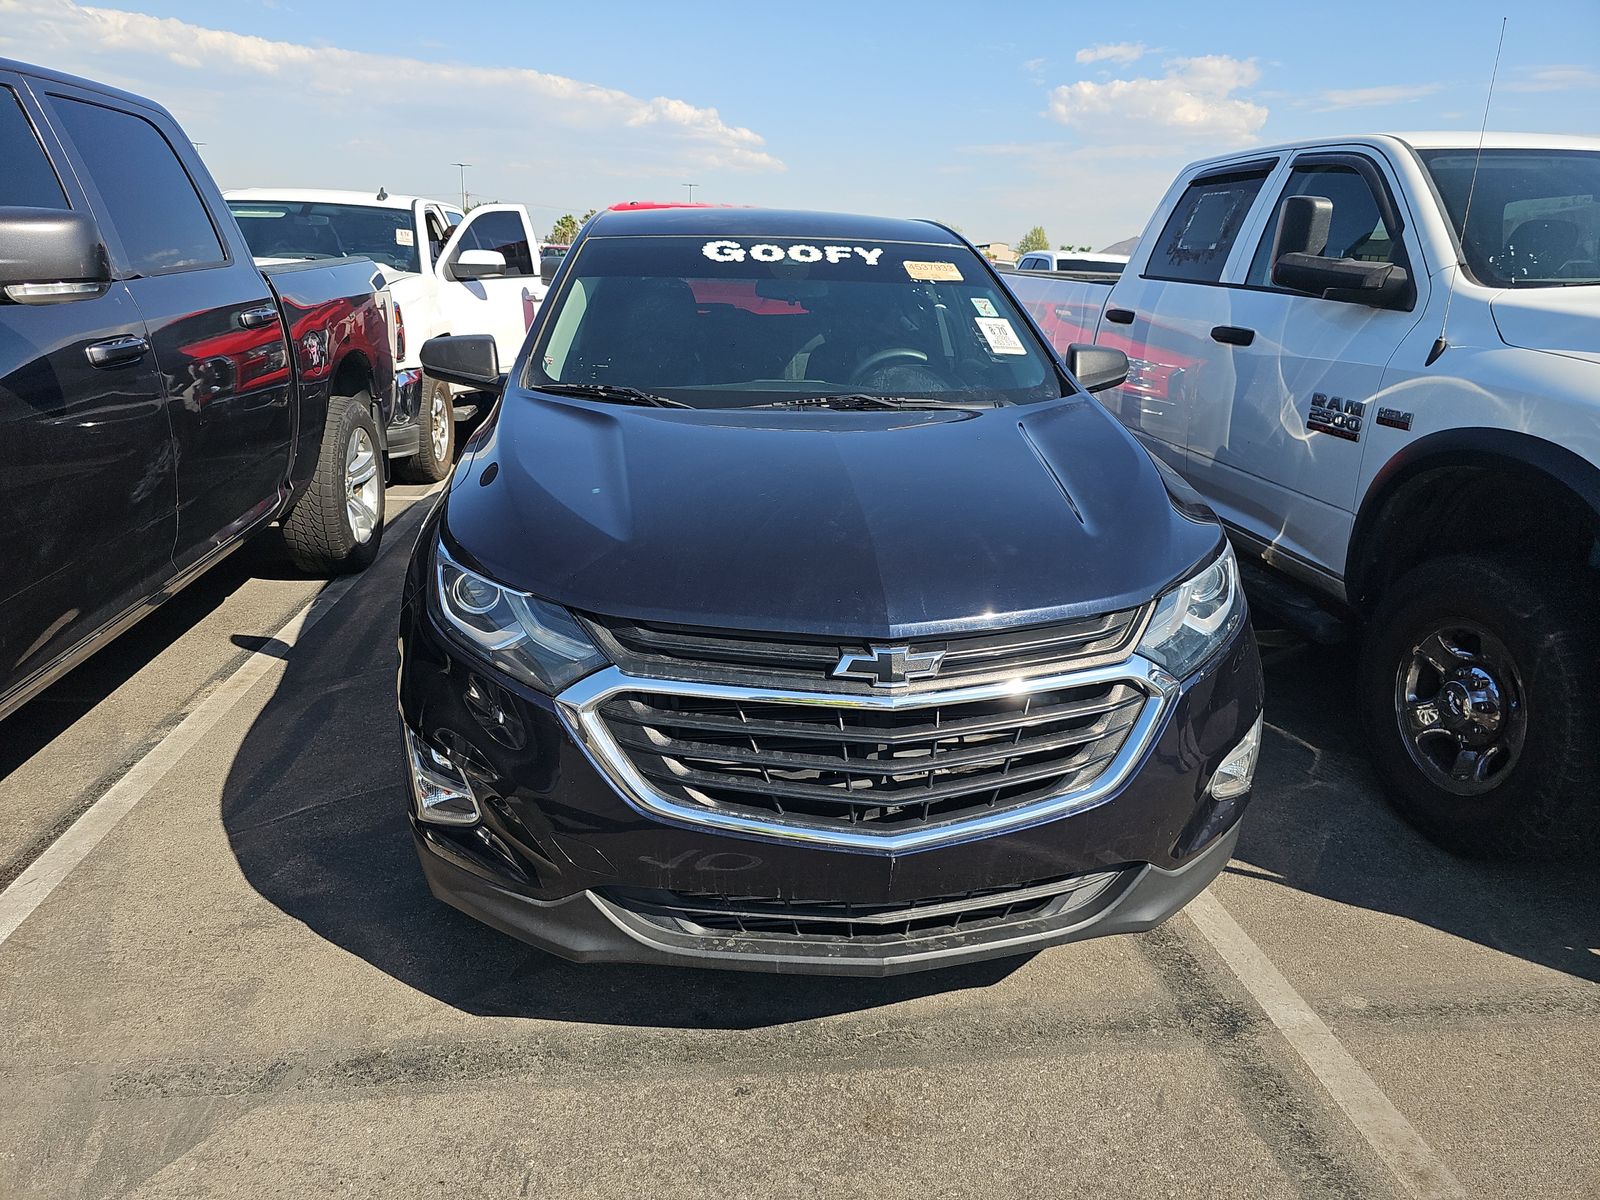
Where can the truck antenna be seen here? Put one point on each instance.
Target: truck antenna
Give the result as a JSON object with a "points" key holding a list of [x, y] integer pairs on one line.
{"points": [[1439, 343]]}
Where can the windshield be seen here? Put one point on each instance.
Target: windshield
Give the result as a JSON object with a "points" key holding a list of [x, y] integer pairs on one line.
{"points": [[276, 229], [729, 322], [1535, 219]]}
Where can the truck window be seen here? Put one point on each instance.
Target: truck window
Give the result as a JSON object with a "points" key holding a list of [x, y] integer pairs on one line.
{"points": [[1535, 216], [502, 231], [291, 229], [1198, 236], [28, 180], [1357, 231], [149, 198]]}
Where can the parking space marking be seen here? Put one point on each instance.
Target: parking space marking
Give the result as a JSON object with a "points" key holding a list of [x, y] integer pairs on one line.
{"points": [[46, 873], [1410, 1159]]}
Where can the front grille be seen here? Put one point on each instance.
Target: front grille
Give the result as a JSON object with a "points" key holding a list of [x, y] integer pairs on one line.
{"points": [[698, 913], [803, 662], [881, 769]]}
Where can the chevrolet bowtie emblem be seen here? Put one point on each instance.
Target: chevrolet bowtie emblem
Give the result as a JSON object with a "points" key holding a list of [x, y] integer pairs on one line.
{"points": [[889, 666]]}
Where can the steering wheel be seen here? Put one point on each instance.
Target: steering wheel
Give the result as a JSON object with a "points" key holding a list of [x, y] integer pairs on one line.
{"points": [[883, 356]]}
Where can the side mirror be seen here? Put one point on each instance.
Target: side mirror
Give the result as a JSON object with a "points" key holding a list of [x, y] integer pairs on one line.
{"points": [[548, 266], [1096, 368], [478, 264], [468, 359], [1299, 264], [1303, 225], [48, 255]]}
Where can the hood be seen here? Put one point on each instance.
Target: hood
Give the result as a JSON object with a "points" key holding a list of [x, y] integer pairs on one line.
{"points": [[874, 524], [1560, 320]]}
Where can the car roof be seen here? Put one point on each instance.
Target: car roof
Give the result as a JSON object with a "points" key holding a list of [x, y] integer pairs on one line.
{"points": [[331, 196], [765, 223]]}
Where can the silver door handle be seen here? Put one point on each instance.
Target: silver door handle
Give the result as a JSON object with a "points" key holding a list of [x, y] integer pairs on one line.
{"points": [[117, 351], [255, 318]]}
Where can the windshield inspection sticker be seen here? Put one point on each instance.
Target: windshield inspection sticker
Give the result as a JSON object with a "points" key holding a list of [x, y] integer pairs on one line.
{"points": [[985, 306], [765, 252], [404, 237], [933, 272], [1001, 337]]}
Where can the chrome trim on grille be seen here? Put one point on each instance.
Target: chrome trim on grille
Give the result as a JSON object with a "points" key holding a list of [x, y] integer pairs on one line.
{"points": [[579, 707]]}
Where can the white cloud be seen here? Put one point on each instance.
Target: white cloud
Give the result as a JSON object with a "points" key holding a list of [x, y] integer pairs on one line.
{"points": [[1556, 79], [1193, 99], [1121, 53], [1371, 97], [375, 86]]}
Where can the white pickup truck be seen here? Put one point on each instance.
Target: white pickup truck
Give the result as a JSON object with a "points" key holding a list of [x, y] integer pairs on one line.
{"points": [[1433, 482], [448, 272]]}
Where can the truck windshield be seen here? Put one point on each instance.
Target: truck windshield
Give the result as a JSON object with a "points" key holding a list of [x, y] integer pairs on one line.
{"points": [[1535, 219], [730, 322], [278, 229]]}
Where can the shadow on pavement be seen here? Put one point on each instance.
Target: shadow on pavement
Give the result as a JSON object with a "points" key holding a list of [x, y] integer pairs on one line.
{"points": [[1319, 824]]}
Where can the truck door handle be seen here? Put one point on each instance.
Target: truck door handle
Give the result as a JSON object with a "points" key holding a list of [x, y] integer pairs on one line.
{"points": [[117, 351], [1233, 335], [1119, 316], [255, 318]]}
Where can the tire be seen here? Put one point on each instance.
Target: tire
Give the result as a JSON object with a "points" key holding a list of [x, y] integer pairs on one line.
{"points": [[1495, 756], [436, 449], [336, 525]]}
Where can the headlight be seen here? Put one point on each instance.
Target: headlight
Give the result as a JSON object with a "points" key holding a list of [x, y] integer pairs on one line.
{"points": [[1195, 617], [529, 639]]}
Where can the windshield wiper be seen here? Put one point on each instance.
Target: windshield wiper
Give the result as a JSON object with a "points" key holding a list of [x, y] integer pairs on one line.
{"points": [[862, 401], [612, 391]]}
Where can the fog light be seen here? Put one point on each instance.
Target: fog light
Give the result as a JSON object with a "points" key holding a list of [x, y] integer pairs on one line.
{"points": [[1234, 775], [438, 788]]}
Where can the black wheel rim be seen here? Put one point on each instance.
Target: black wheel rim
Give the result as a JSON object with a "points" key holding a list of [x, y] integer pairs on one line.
{"points": [[1460, 707]]}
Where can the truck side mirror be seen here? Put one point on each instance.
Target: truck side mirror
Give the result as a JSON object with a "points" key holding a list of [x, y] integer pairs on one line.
{"points": [[469, 359], [1096, 368], [1303, 225], [48, 255], [477, 264], [1299, 264], [548, 265]]}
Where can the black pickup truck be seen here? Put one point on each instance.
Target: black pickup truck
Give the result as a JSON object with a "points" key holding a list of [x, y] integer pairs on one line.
{"points": [[160, 398]]}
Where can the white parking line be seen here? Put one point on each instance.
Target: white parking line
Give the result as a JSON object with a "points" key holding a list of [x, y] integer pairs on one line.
{"points": [[46, 873], [1410, 1159]]}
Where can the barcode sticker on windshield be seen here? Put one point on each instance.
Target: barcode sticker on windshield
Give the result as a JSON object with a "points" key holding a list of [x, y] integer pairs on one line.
{"points": [[1001, 337], [404, 237], [933, 272]]}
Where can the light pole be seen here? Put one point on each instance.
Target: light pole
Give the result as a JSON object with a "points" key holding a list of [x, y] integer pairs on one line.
{"points": [[691, 187], [463, 167]]}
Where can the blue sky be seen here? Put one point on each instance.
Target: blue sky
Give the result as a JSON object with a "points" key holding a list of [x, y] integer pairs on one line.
{"points": [[994, 117]]}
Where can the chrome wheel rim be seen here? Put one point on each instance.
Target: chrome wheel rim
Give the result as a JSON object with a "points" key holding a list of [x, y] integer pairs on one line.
{"points": [[1460, 707], [439, 419], [362, 486]]}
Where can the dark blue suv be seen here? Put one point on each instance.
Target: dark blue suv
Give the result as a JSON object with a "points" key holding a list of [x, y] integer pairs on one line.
{"points": [[798, 610]]}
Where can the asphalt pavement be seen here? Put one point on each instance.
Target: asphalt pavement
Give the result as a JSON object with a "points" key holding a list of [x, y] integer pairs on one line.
{"points": [[234, 982]]}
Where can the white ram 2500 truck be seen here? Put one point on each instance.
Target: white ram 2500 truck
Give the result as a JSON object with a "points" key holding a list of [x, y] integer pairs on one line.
{"points": [[1437, 483], [448, 272]]}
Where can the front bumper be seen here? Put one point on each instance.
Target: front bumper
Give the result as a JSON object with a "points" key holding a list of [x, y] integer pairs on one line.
{"points": [[589, 926], [562, 853]]}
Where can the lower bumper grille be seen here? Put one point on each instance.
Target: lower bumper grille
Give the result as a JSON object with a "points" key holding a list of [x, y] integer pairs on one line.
{"points": [[699, 914], [817, 763]]}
